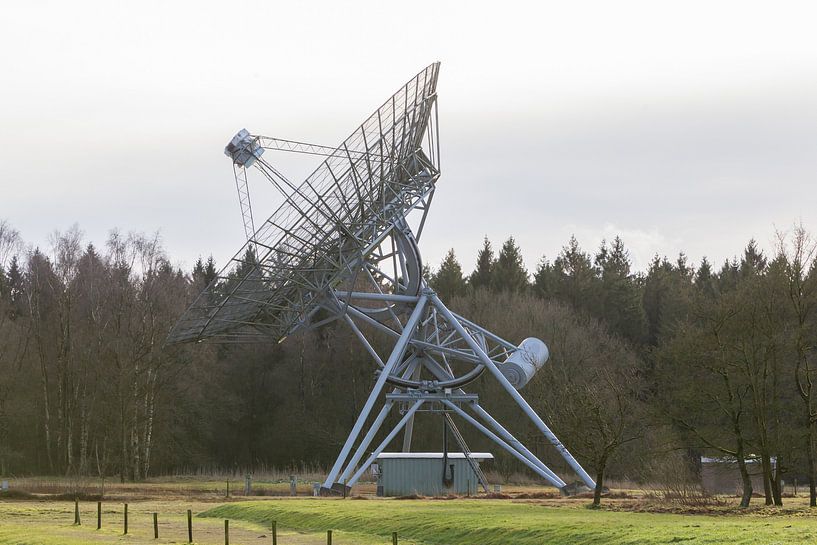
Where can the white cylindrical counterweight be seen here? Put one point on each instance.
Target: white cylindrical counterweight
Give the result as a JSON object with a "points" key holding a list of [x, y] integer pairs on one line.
{"points": [[520, 367]]}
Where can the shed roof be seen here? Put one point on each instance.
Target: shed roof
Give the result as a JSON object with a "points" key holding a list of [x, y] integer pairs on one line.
{"points": [[434, 455]]}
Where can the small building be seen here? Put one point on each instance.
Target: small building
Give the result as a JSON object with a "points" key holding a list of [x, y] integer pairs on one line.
{"points": [[722, 475], [406, 473]]}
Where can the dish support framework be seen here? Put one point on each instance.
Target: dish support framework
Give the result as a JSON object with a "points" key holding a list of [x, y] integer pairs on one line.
{"points": [[430, 336]]}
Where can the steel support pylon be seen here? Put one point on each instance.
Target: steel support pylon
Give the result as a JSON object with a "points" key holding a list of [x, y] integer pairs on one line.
{"points": [[431, 338]]}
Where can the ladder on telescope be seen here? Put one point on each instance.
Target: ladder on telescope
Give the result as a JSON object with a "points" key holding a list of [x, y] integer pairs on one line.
{"points": [[467, 452]]}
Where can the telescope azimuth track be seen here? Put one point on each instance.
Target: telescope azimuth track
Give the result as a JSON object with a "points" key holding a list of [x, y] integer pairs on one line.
{"points": [[340, 247]]}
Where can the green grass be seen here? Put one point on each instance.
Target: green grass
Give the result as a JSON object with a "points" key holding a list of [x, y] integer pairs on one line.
{"points": [[30, 522], [502, 522]]}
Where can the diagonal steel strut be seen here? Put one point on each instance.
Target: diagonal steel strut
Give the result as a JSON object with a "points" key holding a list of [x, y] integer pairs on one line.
{"points": [[395, 357], [514, 393]]}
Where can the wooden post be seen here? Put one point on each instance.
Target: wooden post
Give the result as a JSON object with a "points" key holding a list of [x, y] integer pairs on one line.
{"points": [[344, 489], [155, 526], [126, 519], [189, 526], [228, 489], [329, 537], [99, 515], [394, 538], [76, 512], [226, 532], [274, 533]]}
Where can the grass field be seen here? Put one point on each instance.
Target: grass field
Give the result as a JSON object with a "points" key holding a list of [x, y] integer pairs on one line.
{"points": [[51, 523], [502, 522], [624, 519]]}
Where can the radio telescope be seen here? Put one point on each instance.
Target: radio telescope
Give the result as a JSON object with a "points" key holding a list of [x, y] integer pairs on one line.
{"points": [[340, 248]]}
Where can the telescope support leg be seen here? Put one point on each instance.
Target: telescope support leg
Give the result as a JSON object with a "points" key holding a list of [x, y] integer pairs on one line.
{"points": [[514, 393], [395, 357]]}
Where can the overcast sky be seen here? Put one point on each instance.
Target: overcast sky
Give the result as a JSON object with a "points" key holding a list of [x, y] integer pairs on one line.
{"points": [[682, 126]]}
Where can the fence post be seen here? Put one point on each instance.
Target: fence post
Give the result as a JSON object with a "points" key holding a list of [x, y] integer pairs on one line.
{"points": [[394, 538], [228, 489], [189, 526], [329, 537], [76, 512], [155, 526], [99, 515], [274, 533], [126, 519], [226, 532]]}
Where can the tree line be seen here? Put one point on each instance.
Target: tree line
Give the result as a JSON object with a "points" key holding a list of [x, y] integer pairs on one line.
{"points": [[667, 364]]}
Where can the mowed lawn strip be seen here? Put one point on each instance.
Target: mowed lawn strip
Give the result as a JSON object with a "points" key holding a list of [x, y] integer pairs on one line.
{"points": [[500, 522]]}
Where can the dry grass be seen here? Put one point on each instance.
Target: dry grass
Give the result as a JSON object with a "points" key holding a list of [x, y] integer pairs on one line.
{"points": [[51, 523], [182, 486], [303, 472]]}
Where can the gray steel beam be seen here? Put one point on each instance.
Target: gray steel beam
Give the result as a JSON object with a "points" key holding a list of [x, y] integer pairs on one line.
{"points": [[377, 296], [386, 441], [395, 357], [364, 341], [367, 439], [514, 393], [492, 436], [407, 435], [441, 374], [513, 441]]}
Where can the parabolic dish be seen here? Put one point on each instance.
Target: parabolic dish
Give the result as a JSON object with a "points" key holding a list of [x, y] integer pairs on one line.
{"points": [[317, 239]]}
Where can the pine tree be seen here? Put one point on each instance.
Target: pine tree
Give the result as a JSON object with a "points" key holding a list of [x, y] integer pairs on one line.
{"points": [[705, 280], [621, 306], [426, 271], [198, 274], [4, 287], [728, 276], [575, 278], [613, 261], [249, 262], [482, 277], [448, 281], [668, 289], [753, 262], [683, 266], [510, 274], [654, 295], [543, 278], [198, 268], [210, 271], [14, 280]]}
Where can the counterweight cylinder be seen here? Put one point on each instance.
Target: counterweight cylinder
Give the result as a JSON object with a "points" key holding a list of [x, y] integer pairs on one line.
{"points": [[520, 367]]}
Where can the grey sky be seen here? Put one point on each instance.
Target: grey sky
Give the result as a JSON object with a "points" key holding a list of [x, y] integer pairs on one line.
{"points": [[686, 126]]}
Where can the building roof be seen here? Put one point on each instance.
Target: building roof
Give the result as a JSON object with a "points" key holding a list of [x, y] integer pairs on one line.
{"points": [[434, 455]]}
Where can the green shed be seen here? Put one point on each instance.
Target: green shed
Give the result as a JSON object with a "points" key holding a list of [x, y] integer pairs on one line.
{"points": [[427, 473]]}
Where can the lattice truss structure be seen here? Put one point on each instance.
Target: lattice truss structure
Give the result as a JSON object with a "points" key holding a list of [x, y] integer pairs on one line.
{"points": [[340, 247], [329, 229]]}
